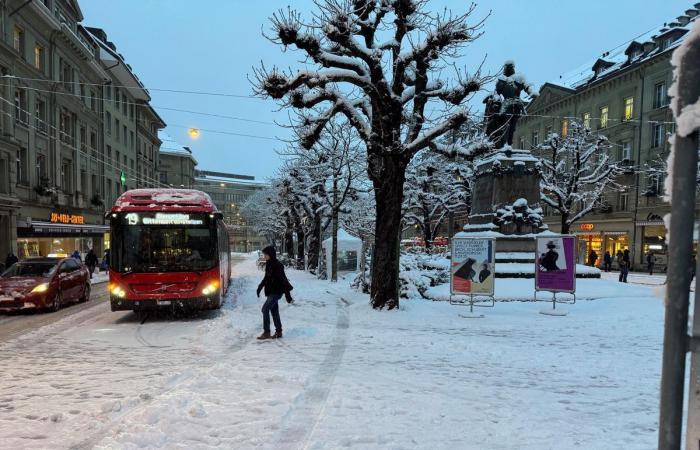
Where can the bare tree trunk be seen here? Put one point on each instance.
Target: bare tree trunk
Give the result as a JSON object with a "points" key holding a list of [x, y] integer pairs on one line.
{"points": [[315, 244], [300, 248], [427, 234], [334, 250], [564, 224], [388, 190]]}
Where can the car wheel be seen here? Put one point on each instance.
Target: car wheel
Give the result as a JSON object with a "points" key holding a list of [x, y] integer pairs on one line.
{"points": [[56, 303], [86, 293]]}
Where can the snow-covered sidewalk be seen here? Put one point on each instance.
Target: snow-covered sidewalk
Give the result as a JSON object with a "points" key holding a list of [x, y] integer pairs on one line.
{"points": [[343, 376]]}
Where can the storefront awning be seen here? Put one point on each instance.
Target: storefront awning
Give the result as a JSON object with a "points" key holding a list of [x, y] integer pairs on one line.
{"points": [[39, 228], [598, 233]]}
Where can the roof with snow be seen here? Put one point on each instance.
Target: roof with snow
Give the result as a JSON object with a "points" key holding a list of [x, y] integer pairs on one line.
{"points": [[661, 40], [171, 147]]}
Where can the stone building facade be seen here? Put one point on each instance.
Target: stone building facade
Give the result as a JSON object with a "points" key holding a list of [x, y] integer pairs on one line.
{"points": [[176, 162], [229, 192], [622, 95], [58, 165]]}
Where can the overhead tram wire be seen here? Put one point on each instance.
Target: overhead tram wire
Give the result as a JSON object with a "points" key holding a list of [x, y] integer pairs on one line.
{"points": [[235, 133], [124, 169], [175, 91]]}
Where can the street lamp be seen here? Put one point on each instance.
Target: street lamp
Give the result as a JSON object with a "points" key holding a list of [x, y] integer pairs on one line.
{"points": [[193, 132]]}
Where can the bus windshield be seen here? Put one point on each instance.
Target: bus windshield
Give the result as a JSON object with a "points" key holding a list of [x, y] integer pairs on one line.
{"points": [[152, 245]]}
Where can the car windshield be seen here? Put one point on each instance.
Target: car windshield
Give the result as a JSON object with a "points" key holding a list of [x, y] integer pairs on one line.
{"points": [[164, 248], [30, 269]]}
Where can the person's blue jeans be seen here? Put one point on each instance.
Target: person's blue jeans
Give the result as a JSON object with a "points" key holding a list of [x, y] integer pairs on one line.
{"points": [[271, 307], [623, 274]]}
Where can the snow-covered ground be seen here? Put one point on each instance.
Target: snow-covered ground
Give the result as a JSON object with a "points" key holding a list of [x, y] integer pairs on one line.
{"points": [[344, 376]]}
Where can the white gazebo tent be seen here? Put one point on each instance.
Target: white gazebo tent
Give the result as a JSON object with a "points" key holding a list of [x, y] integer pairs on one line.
{"points": [[349, 248]]}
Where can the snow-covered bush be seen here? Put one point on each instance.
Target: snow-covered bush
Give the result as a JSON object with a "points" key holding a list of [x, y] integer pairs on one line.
{"points": [[420, 271]]}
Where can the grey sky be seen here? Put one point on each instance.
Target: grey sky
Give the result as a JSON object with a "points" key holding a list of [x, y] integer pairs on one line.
{"points": [[211, 45]]}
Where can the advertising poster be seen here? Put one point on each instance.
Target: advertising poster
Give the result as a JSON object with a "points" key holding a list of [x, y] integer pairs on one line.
{"points": [[555, 267], [473, 266]]}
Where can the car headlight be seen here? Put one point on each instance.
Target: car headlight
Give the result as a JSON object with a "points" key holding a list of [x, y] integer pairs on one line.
{"points": [[41, 288], [211, 288], [117, 290]]}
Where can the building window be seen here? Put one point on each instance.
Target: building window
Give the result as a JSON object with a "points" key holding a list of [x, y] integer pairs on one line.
{"points": [[624, 201], [564, 127], [116, 134], [124, 106], [629, 108], [108, 122], [547, 131], [666, 43], [93, 100], [522, 143], [587, 120], [626, 154], [39, 57], [535, 138], [66, 75], [41, 169], [604, 117], [21, 106], [22, 166], [93, 139], [66, 127], [66, 172], [108, 92], [660, 97], [131, 112], [124, 130], [657, 135], [40, 115], [116, 96], [131, 140], [117, 159], [83, 183], [18, 40]]}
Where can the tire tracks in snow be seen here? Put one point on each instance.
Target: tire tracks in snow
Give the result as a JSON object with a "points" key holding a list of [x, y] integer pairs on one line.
{"points": [[300, 422], [94, 438]]}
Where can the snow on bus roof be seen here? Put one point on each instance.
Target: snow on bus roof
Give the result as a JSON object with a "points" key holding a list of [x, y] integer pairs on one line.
{"points": [[150, 199]]}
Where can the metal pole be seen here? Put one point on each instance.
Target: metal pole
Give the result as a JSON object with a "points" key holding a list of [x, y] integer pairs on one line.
{"points": [[685, 160]]}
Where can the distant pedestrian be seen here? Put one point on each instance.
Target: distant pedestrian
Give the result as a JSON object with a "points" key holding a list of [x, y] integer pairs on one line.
{"points": [[592, 258], [104, 265], [10, 260], [91, 261], [624, 266], [651, 260], [693, 268], [607, 262], [618, 259], [76, 255], [275, 284]]}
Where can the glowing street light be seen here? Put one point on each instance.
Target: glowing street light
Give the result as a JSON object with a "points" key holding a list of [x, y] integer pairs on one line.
{"points": [[193, 132]]}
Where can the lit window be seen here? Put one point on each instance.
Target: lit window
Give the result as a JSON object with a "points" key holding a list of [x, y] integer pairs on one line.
{"points": [[39, 57], [629, 108], [604, 117], [564, 127], [587, 120]]}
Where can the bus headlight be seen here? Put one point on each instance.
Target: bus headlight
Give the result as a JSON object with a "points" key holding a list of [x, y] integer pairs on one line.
{"points": [[41, 288], [117, 290], [211, 288]]}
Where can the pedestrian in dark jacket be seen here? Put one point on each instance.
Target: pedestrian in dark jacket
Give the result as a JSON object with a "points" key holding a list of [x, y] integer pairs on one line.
{"points": [[624, 266], [651, 260], [592, 258], [91, 261], [607, 262], [275, 284], [10, 260], [76, 255]]}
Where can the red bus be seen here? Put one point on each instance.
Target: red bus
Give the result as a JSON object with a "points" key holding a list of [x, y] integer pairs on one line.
{"points": [[169, 249]]}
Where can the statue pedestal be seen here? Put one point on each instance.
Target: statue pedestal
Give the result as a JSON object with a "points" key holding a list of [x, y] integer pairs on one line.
{"points": [[505, 206]]}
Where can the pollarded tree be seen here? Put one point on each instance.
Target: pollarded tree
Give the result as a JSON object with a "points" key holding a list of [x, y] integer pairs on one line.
{"points": [[576, 172], [435, 186], [378, 63]]}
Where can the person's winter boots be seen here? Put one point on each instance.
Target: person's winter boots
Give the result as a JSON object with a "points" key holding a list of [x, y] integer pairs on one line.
{"points": [[266, 335], [277, 335]]}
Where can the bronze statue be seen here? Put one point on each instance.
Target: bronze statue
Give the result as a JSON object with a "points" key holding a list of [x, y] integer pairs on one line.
{"points": [[504, 107]]}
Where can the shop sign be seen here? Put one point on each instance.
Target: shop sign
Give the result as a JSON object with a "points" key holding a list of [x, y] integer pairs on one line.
{"points": [[472, 266], [587, 226], [71, 219], [555, 268]]}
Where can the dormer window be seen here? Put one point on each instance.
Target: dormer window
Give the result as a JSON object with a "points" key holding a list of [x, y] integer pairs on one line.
{"points": [[664, 44]]}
